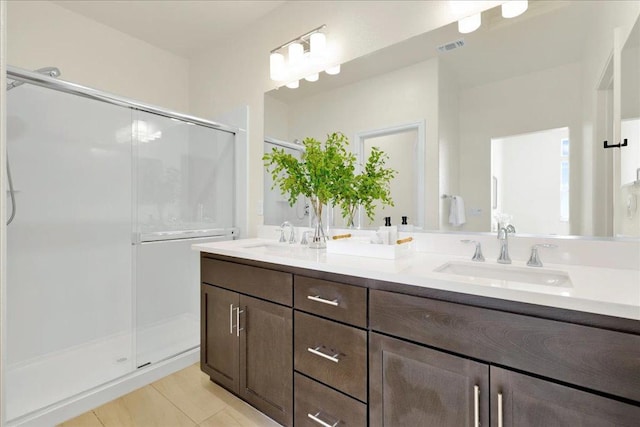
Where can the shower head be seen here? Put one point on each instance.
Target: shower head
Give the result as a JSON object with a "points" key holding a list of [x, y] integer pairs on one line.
{"points": [[47, 71]]}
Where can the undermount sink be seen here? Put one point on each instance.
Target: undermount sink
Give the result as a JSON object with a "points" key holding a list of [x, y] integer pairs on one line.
{"points": [[507, 273], [270, 247]]}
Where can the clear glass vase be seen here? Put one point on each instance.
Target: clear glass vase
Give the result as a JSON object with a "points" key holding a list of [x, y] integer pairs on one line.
{"points": [[319, 238]]}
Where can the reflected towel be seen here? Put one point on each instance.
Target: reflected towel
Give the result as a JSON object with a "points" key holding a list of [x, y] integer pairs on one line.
{"points": [[456, 211]]}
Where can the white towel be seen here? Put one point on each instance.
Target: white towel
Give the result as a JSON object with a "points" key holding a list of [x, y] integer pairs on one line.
{"points": [[456, 211]]}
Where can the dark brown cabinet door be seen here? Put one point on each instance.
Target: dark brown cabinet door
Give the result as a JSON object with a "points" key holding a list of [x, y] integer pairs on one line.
{"points": [[411, 385], [524, 401], [219, 348], [266, 360]]}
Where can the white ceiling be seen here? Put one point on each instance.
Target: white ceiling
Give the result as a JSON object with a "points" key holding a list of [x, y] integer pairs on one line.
{"points": [[183, 27]]}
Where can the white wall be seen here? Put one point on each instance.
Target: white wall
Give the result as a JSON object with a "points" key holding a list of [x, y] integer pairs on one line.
{"points": [[41, 33], [237, 72], [276, 119], [541, 100], [449, 144]]}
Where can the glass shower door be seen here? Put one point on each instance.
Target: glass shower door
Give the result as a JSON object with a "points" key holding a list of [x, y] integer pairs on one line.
{"points": [[185, 194], [69, 249]]}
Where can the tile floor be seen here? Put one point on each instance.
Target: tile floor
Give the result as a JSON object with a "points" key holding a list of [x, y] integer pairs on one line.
{"points": [[186, 398]]}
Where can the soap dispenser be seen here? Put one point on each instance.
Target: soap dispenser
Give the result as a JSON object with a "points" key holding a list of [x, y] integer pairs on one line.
{"points": [[405, 226], [393, 230]]}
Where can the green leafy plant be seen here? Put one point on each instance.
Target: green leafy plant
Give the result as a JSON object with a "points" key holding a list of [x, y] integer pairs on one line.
{"points": [[367, 187], [321, 174], [326, 172]]}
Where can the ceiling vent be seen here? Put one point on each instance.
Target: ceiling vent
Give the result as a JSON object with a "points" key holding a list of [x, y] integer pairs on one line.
{"points": [[451, 45]]}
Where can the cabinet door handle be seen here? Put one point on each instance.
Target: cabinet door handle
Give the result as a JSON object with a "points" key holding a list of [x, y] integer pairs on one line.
{"points": [[476, 406], [317, 419], [238, 328], [318, 298], [317, 352], [230, 319], [500, 410]]}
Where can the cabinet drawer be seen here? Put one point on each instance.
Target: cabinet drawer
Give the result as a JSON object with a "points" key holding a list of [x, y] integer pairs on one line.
{"points": [[337, 301], [594, 358], [332, 353], [271, 285], [326, 405]]}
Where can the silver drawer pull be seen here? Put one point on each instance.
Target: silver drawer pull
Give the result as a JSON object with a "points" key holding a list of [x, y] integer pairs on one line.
{"points": [[317, 419], [238, 328], [230, 319], [317, 298], [317, 352], [500, 420], [476, 406]]}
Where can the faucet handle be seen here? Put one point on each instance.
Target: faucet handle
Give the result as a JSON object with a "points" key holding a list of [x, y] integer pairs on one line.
{"points": [[304, 240], [477, 255], [292, 236], [282, 239], [534, 259]]}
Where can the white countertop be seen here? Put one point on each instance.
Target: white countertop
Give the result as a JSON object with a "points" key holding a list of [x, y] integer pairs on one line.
{"points": [[608, 291]]}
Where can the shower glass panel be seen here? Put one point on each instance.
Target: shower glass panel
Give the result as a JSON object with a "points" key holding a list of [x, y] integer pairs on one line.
{"points": [[69, 252], [185, 195]]}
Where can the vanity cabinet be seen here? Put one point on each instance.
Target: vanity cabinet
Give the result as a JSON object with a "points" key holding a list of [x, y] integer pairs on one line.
{"points": [[470, 342], [246, 342], [312, 348], [412, 385], [522, 400]]}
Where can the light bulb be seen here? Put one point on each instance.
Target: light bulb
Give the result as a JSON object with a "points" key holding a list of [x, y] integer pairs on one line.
{"points": [[511, 9], [470, 23], [318, 45], [332, 71], [312, 77], [276, 66], [296, 53], [294, 84]]}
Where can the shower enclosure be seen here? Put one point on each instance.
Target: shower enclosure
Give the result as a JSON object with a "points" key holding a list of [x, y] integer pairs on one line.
{"points": [[109, 194]]}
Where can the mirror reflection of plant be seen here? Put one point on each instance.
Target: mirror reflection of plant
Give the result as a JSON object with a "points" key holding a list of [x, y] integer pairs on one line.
{"points": [[322, 173], [367, 187]]}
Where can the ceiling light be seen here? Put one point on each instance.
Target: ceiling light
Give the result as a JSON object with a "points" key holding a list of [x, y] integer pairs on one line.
{"points": [[312, 77], [513, 8], [470, 23], [333, 70], [294, 84]]}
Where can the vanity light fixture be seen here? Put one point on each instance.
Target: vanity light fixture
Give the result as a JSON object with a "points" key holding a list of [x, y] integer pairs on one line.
{"points": [[513, 8], [471, 19], [470, 23], [307, 56]]}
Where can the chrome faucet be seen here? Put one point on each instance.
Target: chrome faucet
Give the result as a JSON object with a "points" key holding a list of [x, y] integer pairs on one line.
{"points": [[292, 233], [503, 236], [477, 255], [534, 259]]}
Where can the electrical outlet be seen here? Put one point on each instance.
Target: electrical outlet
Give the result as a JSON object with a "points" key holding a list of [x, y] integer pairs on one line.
{"points": [[260, 207]]}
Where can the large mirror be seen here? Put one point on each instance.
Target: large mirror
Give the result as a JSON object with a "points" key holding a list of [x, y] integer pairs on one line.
{"points": [[514, 117]]}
